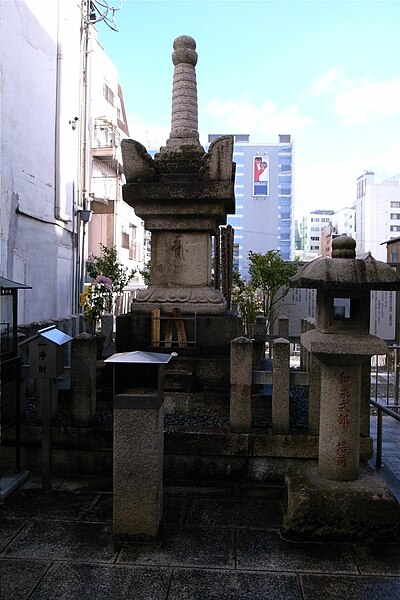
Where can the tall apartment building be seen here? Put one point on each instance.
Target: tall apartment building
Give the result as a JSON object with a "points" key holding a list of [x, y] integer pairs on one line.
{"points": [[51, 179], [377, 213], [264, 198], [113, 223], [343, 222], [319, 227], [311, 231]]}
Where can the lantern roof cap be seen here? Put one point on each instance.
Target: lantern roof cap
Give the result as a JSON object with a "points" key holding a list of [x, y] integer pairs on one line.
{"points": [[344, 271]]}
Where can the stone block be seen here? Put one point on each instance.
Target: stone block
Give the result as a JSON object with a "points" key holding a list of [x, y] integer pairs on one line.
{"points": [[138, 471], [280, 386], [361, 510], [83, 379], [241, 384]]}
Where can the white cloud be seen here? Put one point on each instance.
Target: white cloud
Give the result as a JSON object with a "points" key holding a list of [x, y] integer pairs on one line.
{"points": [[367, 100], [329, 185], [264, 121], [386, 164], [326, 81], [358, 101], [150, 134], [337, 179]]}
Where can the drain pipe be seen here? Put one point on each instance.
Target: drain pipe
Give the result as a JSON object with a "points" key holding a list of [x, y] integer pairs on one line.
{"points": [[58, 213]]}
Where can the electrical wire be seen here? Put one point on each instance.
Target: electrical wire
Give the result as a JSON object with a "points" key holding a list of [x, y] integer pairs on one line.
{"points": [[102, 8]]}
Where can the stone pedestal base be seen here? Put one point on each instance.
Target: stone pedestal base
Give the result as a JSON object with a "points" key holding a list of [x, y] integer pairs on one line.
{"points": [[201, 300], [360, 510], [138, 471]]}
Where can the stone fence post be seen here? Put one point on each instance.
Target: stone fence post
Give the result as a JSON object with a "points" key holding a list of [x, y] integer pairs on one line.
{"points": [[83, 379], [283, 327], [241, 384], [107, 329], [280, 386], [259, 341]]}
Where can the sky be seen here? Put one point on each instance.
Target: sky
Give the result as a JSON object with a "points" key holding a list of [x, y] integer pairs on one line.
{"points": [[324, 71]]}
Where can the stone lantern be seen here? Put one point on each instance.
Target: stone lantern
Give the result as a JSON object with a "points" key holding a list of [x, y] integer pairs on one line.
{"points": [[342, 343]]}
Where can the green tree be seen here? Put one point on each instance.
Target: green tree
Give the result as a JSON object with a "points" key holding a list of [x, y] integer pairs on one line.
{"points": [[270, 274], [247, 300], [108, 265]]}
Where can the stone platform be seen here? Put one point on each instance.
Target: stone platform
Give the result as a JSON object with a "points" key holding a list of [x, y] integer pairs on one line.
{"points": [[218, 541]]}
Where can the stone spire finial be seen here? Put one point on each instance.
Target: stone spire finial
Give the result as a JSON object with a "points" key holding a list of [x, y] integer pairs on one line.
{"points": [[184, 121]]}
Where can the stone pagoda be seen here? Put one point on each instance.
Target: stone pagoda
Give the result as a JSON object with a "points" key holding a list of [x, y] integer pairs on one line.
{"points": [[183, 195]]}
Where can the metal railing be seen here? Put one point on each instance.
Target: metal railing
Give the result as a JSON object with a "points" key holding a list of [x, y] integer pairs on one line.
{"points": [[380, 410], [388, 366]]}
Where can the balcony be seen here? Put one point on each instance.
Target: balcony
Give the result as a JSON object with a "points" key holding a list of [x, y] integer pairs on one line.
{"points": [[106, 142], [106, 191]]}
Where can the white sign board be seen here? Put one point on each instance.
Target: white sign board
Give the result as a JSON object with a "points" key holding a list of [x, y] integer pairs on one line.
{"points": [[383, 315], [300, 303]]}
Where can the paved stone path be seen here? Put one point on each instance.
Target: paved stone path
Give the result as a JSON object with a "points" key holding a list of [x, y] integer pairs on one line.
{"points": [[218, 541]]}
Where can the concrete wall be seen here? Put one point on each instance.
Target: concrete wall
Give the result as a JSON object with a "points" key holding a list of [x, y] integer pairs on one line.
{"points": [[39, 95]]}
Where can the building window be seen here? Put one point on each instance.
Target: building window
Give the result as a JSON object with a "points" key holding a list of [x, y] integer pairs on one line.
{"points": [[285, 165], [108, 94], [395, 216], [315, 238], [125, 240], [395, 228], [395, 205]]}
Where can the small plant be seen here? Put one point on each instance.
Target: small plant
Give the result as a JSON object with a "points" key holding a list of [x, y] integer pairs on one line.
{"points": [[146, 273], [110, 267], [96, 298], [247, 300]]}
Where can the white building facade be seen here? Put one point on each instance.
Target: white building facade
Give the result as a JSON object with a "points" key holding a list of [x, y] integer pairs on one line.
{"points": [[344, 221], [48, 174], [311, 228], [39, 152], [377, 213], [264, 198], [113, 222]]}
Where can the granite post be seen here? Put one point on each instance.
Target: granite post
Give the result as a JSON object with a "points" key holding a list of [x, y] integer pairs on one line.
{"points": [[138, 470], [339, 433], [241, 385], [138, 390], [280, 386], [314, 394], [83, 379]]}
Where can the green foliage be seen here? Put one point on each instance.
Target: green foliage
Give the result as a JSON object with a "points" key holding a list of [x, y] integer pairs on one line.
{"points": [[270, 275], [146, 273], [96, 298], [108, 264], [247, 300]]}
